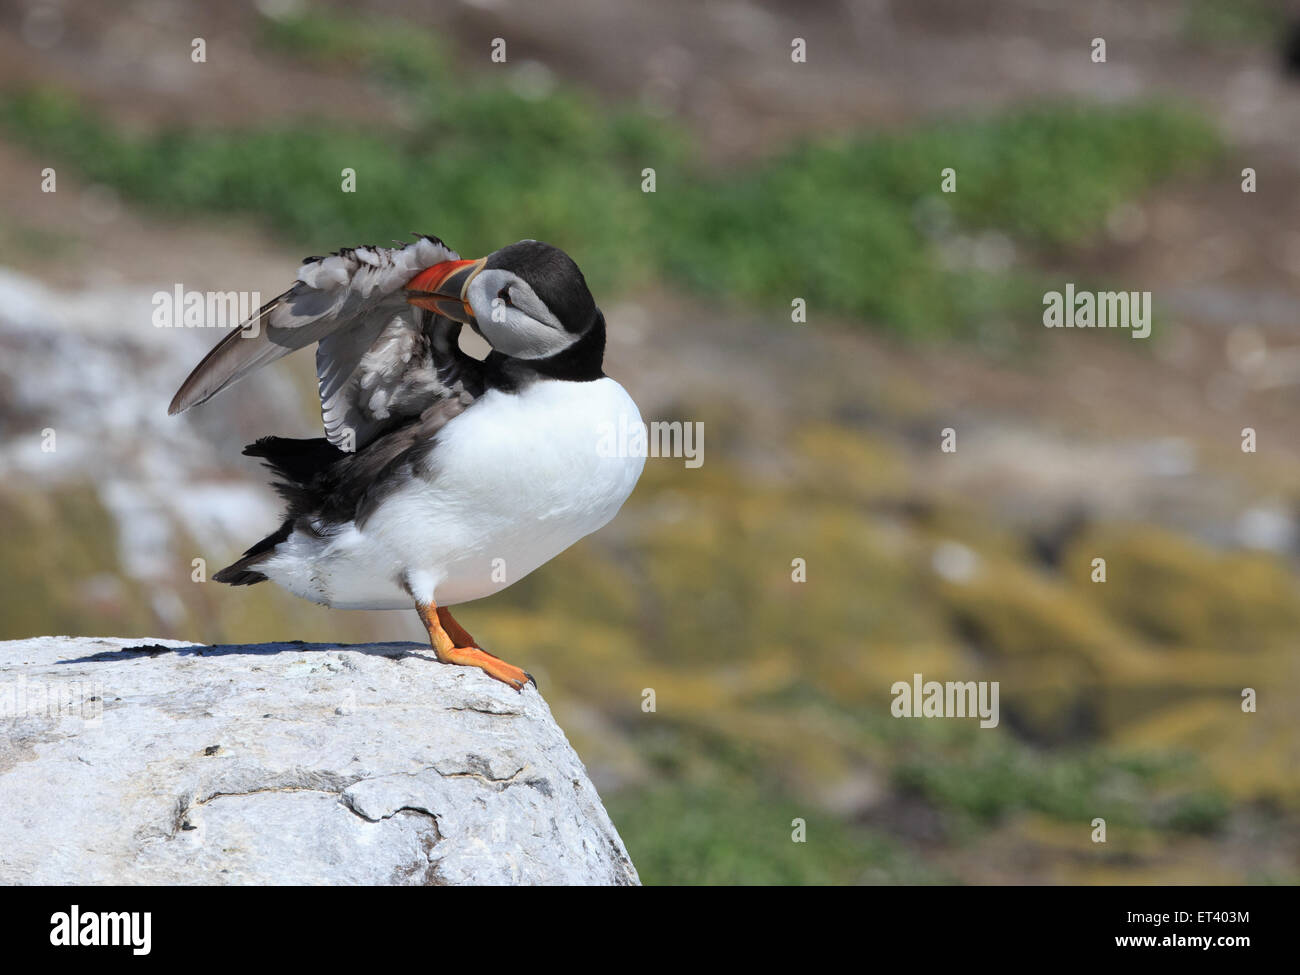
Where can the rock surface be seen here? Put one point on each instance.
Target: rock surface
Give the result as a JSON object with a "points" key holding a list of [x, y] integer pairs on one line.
{"points": [[140, 761]]}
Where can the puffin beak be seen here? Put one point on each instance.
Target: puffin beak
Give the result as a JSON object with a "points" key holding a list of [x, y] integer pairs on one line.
{"points": [[442, 288]]}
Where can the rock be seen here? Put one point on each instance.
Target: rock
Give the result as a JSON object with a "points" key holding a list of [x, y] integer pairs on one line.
{"points": [[158, 762]]}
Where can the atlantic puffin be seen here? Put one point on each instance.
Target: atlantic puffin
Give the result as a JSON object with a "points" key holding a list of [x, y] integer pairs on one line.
{"points": [[441, 478]]}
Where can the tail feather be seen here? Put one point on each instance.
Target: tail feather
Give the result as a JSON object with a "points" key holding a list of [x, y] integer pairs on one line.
{"points": [[295, 460], [243, 572], [296, 463], [238, 575]]}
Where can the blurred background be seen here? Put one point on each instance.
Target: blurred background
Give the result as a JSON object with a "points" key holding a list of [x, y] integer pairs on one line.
{"points": [[775, 180]]}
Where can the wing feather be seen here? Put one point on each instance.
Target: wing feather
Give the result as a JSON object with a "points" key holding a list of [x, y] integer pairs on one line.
{"points": [[374, 358]]}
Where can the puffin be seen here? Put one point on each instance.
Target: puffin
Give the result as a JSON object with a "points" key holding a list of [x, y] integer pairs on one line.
{"points": [[441, 478]]}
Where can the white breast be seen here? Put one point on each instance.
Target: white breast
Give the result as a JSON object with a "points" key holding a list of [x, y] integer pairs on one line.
{"points": [[513, 481]]}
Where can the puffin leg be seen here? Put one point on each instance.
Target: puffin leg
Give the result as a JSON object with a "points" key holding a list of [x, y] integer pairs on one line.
{"points": [[466, 655], [462, 635], [455, 630]]}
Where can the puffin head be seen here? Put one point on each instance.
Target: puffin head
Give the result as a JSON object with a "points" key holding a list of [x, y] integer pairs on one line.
{"points": [[528, 300]]}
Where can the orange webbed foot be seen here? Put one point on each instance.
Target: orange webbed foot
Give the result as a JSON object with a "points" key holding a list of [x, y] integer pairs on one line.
{"points": [[492, 666], [453, 645]]}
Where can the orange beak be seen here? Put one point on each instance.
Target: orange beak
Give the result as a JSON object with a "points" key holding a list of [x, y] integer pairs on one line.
{"points": [[442, 288]]}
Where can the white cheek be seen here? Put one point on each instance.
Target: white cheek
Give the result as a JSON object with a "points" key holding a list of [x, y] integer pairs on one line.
{"points": [[523, 338], [510, 331]]}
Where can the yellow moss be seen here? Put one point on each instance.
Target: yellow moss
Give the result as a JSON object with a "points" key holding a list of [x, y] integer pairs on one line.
{"points": [[1051, 651], [1251, 755], [1177, 591], [1075, 838], [955, 520], [850, 464]]}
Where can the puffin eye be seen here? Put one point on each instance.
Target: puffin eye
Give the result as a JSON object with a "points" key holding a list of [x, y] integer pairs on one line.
{"points": [[504, 295]]}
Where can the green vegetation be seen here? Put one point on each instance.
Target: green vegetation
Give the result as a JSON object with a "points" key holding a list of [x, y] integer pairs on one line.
{"points": [[674, 837], [1221, 22], [988, 780], [858, 225], [846, 221], [386, 49]]}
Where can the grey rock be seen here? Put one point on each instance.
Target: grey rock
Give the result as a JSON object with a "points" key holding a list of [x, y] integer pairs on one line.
{"points": [[141, 761]]}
